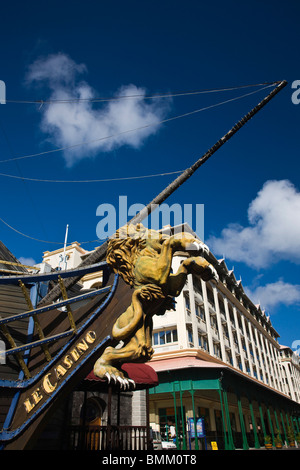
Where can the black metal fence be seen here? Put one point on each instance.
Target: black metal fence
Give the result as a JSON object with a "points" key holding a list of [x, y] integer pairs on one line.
{"points": [[108, 438]]}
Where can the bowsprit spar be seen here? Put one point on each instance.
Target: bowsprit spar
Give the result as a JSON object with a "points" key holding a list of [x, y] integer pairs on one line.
{"points": [[51, 344]]}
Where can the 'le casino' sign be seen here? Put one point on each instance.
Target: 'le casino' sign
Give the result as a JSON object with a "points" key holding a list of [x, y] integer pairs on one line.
{"points": [[50, 381]]}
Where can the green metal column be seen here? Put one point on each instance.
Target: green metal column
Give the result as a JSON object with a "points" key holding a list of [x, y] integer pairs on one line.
{"points": [[288, 424], [230, 438], [175, 411], [284, 430], [271, 425], [242, 423], [223, 421], [194, 416], [256, 441], [262, 420], [277, 423], [182, 419], [296, 425]]}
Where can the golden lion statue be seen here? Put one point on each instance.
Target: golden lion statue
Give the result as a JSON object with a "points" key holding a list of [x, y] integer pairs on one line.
{"points": [[143, 258]]}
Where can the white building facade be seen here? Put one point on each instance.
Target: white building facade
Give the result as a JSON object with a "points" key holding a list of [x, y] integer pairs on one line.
{"points": [[222, 321], [221, 329], [290, 363], [70, 257]]}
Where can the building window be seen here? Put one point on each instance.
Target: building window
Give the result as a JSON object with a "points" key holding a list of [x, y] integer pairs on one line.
{"points": [[261, 376], [225, 330], [210, 298], [229, 358], [202, 342], [200, 312], [187, 304], [197, 286], [213, 322], [217, 350], [231, 316], [190, 336], [165, 337], [221, 306]]}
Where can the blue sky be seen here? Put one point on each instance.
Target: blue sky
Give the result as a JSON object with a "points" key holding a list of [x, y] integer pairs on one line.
{"points": [[250, 188]]}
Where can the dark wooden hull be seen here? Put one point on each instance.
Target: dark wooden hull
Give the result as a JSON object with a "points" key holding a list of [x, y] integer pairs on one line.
{"points": [[33, 400]]}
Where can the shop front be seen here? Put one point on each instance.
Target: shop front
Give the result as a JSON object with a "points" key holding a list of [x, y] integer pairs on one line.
{"points": [[208, 406]]}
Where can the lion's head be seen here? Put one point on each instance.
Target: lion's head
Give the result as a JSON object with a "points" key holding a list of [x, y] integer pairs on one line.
{"points": [[125, 246]]}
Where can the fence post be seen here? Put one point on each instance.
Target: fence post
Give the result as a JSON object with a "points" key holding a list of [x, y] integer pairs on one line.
{"points": [[108, 432]]}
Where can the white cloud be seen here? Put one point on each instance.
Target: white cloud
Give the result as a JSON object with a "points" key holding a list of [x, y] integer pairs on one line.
{"points": [[27, 261], [273, 294], [56, 69], [75, 122], [273, 233]]}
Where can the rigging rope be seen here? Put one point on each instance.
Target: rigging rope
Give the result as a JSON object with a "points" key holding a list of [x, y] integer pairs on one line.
{"points": [[43, 241], [92, 181], [155, 96], [138, 128], [91, 241]]}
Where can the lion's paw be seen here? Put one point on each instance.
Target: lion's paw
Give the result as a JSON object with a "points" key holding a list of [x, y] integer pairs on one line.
{"points": [[200, 266], [113, 374]]}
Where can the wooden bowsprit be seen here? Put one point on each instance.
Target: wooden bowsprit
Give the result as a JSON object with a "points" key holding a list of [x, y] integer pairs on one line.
{"points": [[63, 342], [99, 253]]}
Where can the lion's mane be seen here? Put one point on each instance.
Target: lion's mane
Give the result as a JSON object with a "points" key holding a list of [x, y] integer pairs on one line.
{"points": [[124, 248]]}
